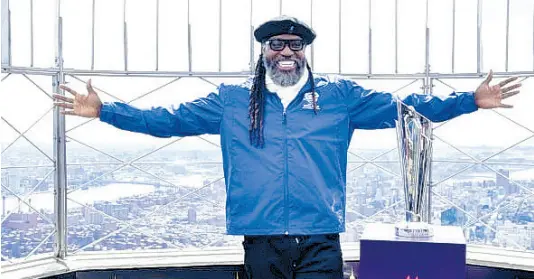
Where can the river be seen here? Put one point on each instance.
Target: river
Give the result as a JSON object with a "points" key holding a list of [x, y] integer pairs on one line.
{"points": [[110, 192]]}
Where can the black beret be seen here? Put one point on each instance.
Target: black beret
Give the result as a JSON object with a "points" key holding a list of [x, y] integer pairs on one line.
{"points": [[284, 25]]}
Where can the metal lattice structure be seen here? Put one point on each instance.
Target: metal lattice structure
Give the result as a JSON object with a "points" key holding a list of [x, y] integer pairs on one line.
{"points": [[424, 81]]}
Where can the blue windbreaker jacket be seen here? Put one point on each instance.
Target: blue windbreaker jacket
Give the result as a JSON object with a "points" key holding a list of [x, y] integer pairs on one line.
{"points": [[295, 184]]}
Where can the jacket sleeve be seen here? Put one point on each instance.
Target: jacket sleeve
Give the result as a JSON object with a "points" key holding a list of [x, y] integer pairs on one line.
{"points": [[202, 116], [369, 109]]}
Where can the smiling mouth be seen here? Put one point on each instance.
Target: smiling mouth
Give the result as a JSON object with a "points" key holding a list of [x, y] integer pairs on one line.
{"points": [[286, 65]]}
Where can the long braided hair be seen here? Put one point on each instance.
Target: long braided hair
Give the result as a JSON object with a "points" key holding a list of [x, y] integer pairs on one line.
{"points": [[257, 102]]}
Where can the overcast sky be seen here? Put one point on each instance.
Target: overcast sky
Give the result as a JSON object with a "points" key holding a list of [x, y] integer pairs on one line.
{"points": [[22, 103]]}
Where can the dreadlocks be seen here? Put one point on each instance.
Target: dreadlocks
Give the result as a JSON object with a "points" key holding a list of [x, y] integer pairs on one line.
{"points": [[255, 108], [257, 102]]}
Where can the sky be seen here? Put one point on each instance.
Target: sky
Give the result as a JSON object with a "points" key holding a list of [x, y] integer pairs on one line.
{"points": [[22, 102]]}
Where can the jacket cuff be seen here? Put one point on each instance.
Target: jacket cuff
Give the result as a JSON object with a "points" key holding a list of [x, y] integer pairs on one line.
{"points": [[469, 105], [106, 113]]}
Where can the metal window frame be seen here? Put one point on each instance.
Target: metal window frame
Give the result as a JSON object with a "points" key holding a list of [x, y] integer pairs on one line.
{"points": [[58, 72]]}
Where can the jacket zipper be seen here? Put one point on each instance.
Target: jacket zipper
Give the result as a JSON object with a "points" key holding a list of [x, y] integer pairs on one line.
{"points": [[286, 190], [286, 182]]}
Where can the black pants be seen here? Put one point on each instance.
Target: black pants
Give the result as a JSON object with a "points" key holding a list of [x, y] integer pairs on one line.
{"points": [[293, 257]]}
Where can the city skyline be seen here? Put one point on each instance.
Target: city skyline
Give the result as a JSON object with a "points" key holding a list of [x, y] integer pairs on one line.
{"points": [[371, 191]]}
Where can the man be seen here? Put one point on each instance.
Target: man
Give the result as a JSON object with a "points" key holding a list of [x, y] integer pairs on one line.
{"points": [[284, 139]]}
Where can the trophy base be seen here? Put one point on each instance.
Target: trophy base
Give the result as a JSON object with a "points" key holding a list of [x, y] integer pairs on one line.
{"points": [[385, 255], [414, 230]]}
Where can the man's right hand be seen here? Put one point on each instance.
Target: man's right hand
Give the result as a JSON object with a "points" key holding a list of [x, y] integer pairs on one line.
{"points": [[82, 105]]}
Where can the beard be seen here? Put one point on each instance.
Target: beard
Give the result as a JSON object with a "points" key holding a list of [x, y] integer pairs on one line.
{"points": [[281, 77]]}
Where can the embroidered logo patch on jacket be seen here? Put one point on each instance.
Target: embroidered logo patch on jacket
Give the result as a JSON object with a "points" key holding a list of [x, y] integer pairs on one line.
{"points": [[308, 100]]}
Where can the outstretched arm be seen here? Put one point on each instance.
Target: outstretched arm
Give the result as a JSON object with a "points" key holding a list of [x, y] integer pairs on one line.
{"points": [[202, 116], [369, 109]]}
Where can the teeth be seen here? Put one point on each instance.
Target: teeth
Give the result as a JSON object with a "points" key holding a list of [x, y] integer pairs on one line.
{"points": [[286, 63]]}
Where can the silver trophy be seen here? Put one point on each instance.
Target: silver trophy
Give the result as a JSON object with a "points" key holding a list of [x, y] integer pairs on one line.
{"points": [[415, 147]]}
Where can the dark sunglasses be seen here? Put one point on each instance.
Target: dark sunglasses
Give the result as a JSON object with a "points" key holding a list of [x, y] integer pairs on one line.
{"points": [[280, 44]]}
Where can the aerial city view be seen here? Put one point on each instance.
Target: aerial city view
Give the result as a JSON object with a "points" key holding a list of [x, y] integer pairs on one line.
{"points": [[175, 198]]}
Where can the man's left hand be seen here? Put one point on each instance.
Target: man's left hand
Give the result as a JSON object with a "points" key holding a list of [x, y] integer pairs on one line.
{"points": [[490, 96]]}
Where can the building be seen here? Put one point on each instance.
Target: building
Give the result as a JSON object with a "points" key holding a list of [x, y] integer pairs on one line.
{"points": [[502, 179], [452, 217], [192, 215]]}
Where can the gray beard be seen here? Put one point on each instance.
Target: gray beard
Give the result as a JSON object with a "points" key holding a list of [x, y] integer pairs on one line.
{"points": [[284, 78]]}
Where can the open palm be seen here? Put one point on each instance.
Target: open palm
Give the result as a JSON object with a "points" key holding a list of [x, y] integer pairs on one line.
{"points": [[81, 105], [490, 96]]}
